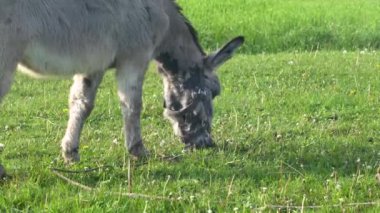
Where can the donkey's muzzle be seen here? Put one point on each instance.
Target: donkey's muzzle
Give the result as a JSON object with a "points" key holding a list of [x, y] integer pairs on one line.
{"points": [[192, 123], [198, 141]]}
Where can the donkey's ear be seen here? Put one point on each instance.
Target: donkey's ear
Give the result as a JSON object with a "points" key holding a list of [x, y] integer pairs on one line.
{"points": [[218, 58]]}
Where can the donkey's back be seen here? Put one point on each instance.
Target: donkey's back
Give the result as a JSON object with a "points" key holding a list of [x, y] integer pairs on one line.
{"points": [[53, 37]]}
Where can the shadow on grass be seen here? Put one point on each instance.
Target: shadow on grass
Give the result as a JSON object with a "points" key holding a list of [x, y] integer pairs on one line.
{"points": [[258, 162], [261, 159]]}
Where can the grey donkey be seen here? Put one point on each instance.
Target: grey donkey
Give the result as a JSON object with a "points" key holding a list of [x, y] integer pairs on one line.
{"points": [[84, 38]]}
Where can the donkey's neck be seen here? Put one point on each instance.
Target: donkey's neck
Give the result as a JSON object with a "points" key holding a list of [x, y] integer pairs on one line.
{"points": [[179, 51]]}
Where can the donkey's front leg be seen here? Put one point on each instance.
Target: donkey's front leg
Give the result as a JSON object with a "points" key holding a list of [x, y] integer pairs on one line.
{"points": [[81, 101], [130, 79]]}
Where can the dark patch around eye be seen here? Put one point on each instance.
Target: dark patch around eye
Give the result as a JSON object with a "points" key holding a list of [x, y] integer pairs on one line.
{"points": [[175, 106], [169, 64], [195, 79]]}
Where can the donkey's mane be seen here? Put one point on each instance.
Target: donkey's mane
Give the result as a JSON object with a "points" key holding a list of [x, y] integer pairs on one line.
{"points": [[192, 30]]}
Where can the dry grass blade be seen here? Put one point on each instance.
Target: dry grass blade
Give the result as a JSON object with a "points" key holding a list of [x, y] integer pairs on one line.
{"points": [[87, 188], [136, 195], [129, 176], [294, 169], [80, 171], [131, 195]]}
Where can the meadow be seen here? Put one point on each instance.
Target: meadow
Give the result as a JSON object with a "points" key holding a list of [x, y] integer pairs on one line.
{"points": [[297, 126], [276, 25]]}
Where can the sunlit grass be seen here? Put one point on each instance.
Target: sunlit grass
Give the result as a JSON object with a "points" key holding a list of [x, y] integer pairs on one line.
{"points": [[291, 129], [283, 25], [297, 123]]}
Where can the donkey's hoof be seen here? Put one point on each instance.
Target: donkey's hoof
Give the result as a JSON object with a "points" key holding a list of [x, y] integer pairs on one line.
{"points": [[139, 151], [70, 157]]}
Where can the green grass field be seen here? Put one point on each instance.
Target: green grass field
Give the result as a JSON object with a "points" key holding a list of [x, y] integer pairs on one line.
{"points": [[294, 126], [282, 25]]}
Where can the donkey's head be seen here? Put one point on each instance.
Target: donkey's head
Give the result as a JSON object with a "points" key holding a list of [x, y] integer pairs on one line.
{"points": [[189, 95]]}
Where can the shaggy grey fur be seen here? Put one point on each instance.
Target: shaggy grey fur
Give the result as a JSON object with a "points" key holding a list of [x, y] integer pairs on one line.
{"points": [[83, 38]]}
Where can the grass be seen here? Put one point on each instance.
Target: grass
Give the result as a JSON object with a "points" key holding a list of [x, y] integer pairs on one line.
{"points": [[276, 25], [308, 132], [294, 126]]}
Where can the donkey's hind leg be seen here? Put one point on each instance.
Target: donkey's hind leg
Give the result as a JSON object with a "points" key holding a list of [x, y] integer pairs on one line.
{"points": [[6, 78], [9, 56], [81, 102], [8, 64]]}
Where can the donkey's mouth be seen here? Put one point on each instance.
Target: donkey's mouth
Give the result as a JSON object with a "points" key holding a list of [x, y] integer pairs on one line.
{"points": [[191, 128], [197, 141]]}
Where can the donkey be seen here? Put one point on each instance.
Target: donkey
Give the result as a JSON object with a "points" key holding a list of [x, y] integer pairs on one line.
{"points": [[84, 38]]}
